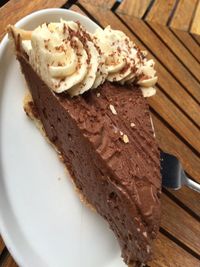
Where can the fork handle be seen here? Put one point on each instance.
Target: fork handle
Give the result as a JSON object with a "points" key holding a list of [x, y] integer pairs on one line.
{"points": [[193, 185]]}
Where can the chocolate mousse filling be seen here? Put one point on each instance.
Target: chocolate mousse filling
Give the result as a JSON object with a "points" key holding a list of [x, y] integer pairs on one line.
{"points": [[104, 135], [106, 140]]}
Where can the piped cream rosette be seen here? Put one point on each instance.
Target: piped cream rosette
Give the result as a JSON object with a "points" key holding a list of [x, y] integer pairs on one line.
{"points": [[68, 58], [125, 63]]}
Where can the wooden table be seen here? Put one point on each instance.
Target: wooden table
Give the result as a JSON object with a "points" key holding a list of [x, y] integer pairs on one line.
{"points": [[168, 30]]}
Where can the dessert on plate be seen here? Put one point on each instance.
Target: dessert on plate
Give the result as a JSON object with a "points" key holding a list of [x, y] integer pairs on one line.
{"points": [[87, 94]]}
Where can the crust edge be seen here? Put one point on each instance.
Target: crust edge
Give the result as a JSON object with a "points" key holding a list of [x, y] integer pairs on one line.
{"points": [[29, 107]]}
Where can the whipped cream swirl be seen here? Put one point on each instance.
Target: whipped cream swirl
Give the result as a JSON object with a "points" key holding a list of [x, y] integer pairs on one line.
{"points": [[68, 58]]}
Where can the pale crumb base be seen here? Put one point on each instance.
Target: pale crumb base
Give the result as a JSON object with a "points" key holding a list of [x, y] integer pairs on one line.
{"points": [[27, 108]]}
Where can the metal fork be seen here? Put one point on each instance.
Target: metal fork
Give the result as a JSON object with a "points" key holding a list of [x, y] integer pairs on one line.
{"points": [[173, 175]]}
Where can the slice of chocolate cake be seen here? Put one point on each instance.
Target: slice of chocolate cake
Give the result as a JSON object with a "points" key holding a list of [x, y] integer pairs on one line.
{"points": [[104, 132]]}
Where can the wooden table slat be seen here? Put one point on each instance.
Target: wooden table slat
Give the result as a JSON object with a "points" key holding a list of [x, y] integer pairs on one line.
{"points": [[183, 15], [172, 89], [196, 38], [9, 262], [188, 197], [77, 9], [178, 48], [163, 53], [195, 27], [183, 125], [169, 142], [2, 245], [169, 254], [108, 4], [20, 9], [180, 224], [189, 42], [134, 7], [160, 11]]}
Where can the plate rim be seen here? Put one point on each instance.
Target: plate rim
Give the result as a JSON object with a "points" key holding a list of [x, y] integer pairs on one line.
{"points": [[8, 240]]}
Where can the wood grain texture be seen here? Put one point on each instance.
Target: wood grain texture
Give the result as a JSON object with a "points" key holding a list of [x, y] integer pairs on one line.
{"points": [[100, 3], [170, 143], [20, 9], [196, 38], [180, 224], [183, 14], [195, 27], [163, 53], [1, 245], [173, 89], [189, 198], [189, 43], [161, 11], [134, 7], [105, 17], [9, 262], [77, 9], [177, 48], [169, 254], [175, 118]]}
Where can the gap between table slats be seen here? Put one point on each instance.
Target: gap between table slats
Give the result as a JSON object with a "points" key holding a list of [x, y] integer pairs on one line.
{"points": [[189, 43], [166, 58], [177, 49]]}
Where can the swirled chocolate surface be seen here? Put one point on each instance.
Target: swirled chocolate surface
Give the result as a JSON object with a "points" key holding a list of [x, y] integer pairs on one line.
{"points": [[106, 139]]}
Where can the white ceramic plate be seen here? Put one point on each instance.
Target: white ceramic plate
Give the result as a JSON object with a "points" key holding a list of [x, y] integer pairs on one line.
{"points": [[42, 220]]}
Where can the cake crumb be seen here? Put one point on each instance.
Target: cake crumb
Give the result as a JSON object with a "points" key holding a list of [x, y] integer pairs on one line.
{"points": [[132, 124], [98, 94], [113, 110], [121, 133], [125, 138], [145, 234], [148, 249]]}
